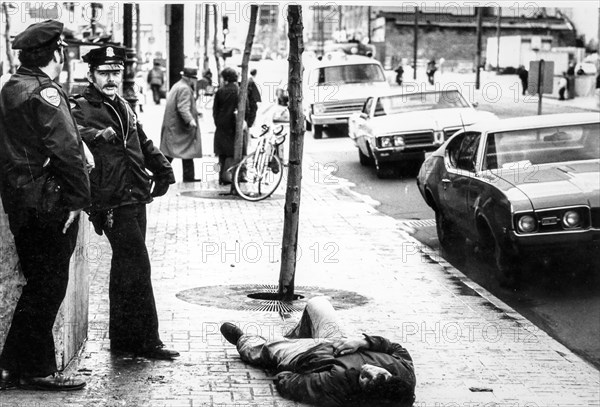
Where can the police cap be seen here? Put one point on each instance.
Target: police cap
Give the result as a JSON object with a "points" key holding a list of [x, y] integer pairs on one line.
{"points": [[106, 58], [40, 35]]}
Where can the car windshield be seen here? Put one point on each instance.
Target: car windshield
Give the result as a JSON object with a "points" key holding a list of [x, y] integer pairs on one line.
{"points": [[542, 146], [419, 101], [359, 73]]}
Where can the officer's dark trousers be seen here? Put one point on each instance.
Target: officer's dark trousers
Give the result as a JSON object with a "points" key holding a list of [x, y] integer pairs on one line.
{"points": [[133, 319], [44, 253]]}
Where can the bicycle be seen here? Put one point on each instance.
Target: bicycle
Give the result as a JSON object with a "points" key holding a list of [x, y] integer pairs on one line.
{"points": [[259, 174]]}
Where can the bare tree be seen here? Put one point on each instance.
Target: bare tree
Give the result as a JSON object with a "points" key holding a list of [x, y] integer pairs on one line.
{"points": [[9, 54], [241, 110], [294, 183]]}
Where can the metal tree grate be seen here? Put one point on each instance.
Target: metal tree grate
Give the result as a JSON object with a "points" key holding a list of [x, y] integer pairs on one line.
{"points": [[262, 297]]}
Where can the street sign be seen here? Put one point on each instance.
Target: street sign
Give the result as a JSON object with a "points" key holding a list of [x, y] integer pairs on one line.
{"points": [[541, 73]]}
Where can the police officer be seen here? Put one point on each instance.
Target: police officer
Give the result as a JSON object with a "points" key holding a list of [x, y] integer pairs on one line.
{"points": [[120, 191], [44, 186]]}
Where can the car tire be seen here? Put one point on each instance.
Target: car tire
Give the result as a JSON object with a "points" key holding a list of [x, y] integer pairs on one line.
{"points": [[383, 170], [509, 271], [450, 240], [308, 125], [317, 131], [364, 159]]}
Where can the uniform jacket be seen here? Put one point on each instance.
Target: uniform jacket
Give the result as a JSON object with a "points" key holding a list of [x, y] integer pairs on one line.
{"points": [[36, 124], [177, 138], [322, 379], [120, 176], [224, 108]]}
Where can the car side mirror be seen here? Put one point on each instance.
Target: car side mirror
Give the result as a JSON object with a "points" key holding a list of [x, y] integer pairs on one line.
{"points": [[363, 116]]}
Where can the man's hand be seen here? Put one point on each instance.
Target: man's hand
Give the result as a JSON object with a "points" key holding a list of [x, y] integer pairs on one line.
{"points": [[107, 135], [193, 124], [347, 346], [282, 375], [161, 186], [73, 216]]}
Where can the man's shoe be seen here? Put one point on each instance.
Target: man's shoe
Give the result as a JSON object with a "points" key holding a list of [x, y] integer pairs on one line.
{"points": [[159, 352], [8, 380], [54, 382], [192, 180], [231, 332]]}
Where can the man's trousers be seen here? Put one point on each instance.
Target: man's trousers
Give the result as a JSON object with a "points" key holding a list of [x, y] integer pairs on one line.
{"points": [[133, 319], [44, 254]]}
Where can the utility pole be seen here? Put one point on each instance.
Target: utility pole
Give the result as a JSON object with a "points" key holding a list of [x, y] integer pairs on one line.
{"points": [[216, 43], [369, 23], [138, 33], [197, 30], [416, 32], [176, 60], [478, 59], [498, 28], [206, 34], [9, 54], [129, 93]]}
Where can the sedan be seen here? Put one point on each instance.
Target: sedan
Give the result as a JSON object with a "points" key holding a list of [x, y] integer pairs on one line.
{"points": [[518, 188], [400, 127]]}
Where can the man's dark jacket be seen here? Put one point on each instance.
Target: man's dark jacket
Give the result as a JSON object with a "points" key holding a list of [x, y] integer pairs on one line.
{"points": [[36, 125], [322, 379], [120, 176], [224, 107]]}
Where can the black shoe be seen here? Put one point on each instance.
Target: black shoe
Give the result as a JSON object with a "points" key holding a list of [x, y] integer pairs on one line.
{"points": [[159, 352], [54, 382], [192, 180], [8, 380], [231, 332]]}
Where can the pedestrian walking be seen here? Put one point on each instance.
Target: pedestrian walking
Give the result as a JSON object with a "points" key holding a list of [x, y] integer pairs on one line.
{"points": [[180, 133], [224, 114], [156, 79], [524, 77], [254, 99], [120, 192], [44, 186], [205, 84], [562, 86], [399, 72], [431, 68], [318, 364]]}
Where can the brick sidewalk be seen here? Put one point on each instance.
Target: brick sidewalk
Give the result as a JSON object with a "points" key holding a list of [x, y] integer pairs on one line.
{"points": [[469, 348]]}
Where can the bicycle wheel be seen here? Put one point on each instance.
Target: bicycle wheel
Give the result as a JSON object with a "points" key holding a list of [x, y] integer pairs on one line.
{"points": [[253, 184]]}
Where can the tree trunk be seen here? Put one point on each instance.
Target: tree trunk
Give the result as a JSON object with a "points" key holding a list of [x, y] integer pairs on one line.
{"points": [[9, 54], [292, 196], [216, 44], [241, 109]]}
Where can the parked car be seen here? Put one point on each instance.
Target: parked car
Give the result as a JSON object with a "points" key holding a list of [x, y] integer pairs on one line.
{"points": [[336, 86], [519, 188], [398, 127]]}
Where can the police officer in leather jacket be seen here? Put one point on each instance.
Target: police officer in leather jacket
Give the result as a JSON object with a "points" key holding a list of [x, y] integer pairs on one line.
{"points": [[120, 191], [44, 186]]}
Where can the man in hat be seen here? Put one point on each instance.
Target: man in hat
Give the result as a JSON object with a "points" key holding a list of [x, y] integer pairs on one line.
{"points": [[44, 186], [120, 191], [180, 133]]}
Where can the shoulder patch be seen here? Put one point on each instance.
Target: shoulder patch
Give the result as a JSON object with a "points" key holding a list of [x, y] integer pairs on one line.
{"points": [[51, 96]]}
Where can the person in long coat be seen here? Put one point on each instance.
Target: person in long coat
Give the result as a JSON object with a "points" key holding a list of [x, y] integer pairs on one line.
{"points": [[224, 114], [180, 133]]}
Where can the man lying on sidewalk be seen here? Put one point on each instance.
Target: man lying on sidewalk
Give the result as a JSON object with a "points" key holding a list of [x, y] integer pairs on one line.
{"points": [[318, 364]]}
